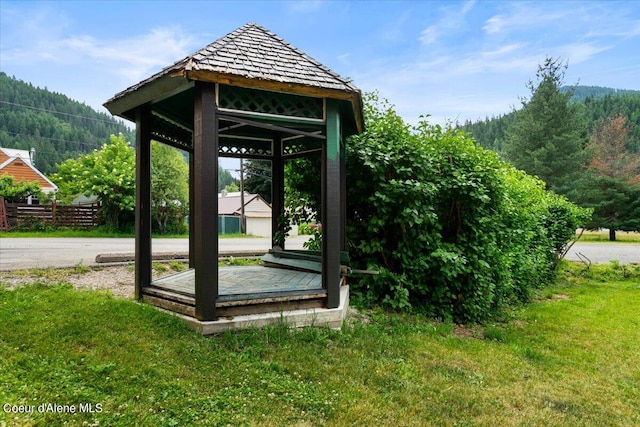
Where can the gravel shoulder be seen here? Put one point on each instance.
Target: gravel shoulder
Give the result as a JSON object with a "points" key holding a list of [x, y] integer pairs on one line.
{"points": [[118, 279]]}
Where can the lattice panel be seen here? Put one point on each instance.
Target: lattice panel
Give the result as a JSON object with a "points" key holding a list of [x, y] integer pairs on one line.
{"points": [[166, 131], [259, 101], [300, 145], [231, 147]]}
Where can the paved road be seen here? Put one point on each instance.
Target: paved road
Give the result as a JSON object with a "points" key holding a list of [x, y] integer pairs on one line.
{"points": [[626, 253], [17, 253]]}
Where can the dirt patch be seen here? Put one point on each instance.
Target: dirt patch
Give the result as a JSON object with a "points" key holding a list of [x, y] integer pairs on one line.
{"points": [[560, 296], [463, 331], [355, 316], [119, 280]]}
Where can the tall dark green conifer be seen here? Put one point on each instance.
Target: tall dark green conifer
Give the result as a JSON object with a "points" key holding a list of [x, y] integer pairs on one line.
{"points": [[547, 138], [258, 178]]}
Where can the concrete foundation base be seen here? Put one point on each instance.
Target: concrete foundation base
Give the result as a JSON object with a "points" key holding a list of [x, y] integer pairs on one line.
{"points": [[322, 317]]}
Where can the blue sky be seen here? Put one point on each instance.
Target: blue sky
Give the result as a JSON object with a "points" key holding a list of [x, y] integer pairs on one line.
{"points": [[453, 60]]}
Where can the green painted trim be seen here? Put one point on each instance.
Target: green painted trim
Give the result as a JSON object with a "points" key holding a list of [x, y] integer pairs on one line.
{"points": [[333, 130], [273, 117], [269, 102]]}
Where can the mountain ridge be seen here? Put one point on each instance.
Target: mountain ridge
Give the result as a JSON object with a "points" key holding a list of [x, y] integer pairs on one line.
{"points": [[57, 126]]}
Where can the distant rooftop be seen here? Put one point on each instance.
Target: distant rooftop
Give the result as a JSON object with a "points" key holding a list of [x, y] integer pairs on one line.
{"points": [[12, 152]]}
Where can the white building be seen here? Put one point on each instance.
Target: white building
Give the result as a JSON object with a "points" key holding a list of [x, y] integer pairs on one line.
{"points": [[256, 211]]}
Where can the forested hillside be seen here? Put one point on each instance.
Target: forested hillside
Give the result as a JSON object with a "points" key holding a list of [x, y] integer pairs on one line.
{"points": [[587, 151], [58, 127], [597, 103], [582, 93]]}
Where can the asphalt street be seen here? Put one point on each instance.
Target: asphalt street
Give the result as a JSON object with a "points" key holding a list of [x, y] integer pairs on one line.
{"points": [[625, 253], [19, 253]]}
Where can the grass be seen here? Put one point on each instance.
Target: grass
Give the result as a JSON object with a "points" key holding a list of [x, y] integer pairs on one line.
{"points": [[603, 237], [569, 358], [48, 274]]}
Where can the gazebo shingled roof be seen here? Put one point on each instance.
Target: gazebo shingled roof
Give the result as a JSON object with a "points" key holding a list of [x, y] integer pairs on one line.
{"points": [[250, 94], [251, 56]]}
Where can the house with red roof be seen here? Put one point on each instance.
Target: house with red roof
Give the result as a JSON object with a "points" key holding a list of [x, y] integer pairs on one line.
{"points": [[20, 164]]}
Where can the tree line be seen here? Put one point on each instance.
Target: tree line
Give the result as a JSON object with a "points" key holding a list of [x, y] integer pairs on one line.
{"points": [[490, 132], [588, 151], [58, 127]]}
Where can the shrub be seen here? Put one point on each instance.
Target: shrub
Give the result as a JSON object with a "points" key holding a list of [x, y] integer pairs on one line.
{"points": [[455, 232]]}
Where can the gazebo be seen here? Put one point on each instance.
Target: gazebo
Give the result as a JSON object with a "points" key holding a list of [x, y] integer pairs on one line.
{"points": [[249, 95]]}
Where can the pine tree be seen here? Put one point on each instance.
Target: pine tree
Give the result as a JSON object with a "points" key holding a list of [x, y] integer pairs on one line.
{"points": [[612, 184], [547, 137]]}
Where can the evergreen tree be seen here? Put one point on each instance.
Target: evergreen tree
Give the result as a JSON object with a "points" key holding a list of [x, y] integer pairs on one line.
{"points": [[547, 138], [58, 128], [612, 184], [258, 178], [224, 178]]}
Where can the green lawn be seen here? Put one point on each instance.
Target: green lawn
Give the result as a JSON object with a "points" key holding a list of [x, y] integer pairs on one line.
{"points": [[569, 359], [603, 236]]}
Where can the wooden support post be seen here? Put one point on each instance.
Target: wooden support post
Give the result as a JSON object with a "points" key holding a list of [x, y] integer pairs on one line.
{"points": [[277, 191], [192, 218], [205, 195], [343, 195], [331, 208], [143, 200]]}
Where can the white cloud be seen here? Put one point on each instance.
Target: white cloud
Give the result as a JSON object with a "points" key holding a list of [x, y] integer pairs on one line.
{"points": [[450, 23], [611, 22], [468, 6], [524, 16], [576, 53], [134, 58], [429, 35], [502, 51], [344, 58]]}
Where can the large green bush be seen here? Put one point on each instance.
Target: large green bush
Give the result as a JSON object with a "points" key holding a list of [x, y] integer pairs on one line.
{"points": [[454, 231]]}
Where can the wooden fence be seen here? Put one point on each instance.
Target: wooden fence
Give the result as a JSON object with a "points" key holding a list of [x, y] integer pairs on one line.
{"points": [[22, 215]]}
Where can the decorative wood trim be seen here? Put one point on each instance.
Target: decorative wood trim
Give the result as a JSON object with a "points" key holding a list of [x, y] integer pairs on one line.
{"points": [[239, 118], [171, 133], [268, 85]]}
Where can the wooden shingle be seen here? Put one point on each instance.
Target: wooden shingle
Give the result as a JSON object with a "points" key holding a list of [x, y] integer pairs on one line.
{"points": [[249, 57]]}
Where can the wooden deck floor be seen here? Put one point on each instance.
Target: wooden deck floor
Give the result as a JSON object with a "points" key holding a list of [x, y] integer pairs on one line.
{"points": [[241, 290], [245, 280]]}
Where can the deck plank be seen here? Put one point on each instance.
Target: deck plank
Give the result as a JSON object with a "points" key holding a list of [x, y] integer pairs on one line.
{"points": [[245, 280]]}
